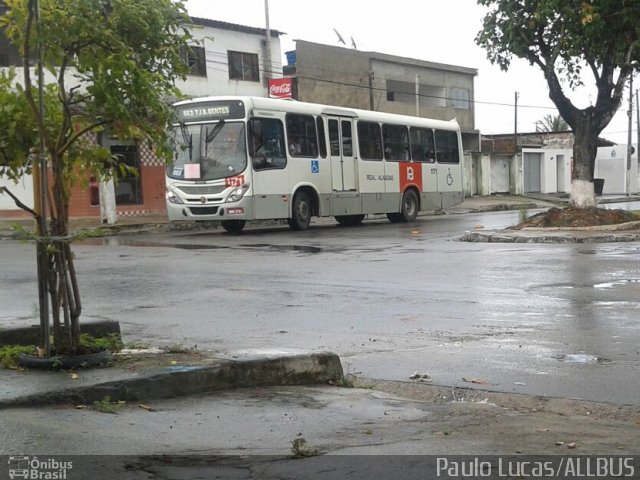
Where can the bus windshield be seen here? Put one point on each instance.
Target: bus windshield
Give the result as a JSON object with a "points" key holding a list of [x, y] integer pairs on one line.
{"points": [[208, 152]]}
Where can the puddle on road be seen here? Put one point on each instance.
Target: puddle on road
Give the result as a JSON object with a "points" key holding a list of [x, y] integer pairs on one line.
{"points": [[196, 246], [581, 358], [284, 248], [616, 283]]}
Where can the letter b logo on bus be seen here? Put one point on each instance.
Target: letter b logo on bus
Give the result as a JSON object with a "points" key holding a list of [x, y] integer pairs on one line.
{"points": [[410, 174]]}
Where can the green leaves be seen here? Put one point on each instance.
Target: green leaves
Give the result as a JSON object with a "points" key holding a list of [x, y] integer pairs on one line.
{"points": [[112, 66]]}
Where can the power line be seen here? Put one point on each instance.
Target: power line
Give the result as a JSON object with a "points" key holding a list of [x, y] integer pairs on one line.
{"points": [[356, 78]]}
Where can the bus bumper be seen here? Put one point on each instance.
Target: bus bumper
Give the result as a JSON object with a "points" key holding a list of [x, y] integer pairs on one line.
{"points": [[242, 210]]}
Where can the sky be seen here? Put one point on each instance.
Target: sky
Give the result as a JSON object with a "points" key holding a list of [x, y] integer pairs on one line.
{"points": [[440, 31]]}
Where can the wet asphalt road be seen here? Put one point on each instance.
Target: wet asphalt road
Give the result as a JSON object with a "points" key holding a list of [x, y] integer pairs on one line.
{"points": [[546, 319]]}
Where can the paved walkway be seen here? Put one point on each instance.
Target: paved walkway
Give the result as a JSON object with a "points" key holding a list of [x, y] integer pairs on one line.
{"points": [[10, 226]]}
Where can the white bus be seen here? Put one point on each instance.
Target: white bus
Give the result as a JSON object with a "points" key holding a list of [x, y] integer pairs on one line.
{"points": [[238, 159]]}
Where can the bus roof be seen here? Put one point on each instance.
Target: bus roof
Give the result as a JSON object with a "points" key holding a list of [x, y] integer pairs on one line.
{"points": [[294, 106]]}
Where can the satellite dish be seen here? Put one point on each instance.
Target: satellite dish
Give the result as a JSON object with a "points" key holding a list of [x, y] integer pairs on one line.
{"points": [[340, 39]]}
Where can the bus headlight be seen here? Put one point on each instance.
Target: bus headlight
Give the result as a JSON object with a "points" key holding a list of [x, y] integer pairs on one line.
{"points": [[173, 196], [237, 193]]}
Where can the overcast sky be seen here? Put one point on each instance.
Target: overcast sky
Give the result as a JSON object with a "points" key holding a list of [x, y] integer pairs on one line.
{"points": [[432, 30]]}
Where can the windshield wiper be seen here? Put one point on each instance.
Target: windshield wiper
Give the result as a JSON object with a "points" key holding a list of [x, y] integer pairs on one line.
{"points": [[216, 130], [187, 138]]}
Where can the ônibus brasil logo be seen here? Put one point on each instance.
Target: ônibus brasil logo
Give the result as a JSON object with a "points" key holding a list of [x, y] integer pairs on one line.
{"points": [[33, 468]]}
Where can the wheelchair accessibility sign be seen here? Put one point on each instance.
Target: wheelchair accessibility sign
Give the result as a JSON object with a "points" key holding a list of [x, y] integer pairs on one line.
{"points": [[315, 166]]}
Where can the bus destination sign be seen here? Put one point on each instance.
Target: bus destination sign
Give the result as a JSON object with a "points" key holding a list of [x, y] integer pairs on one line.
{"points": [[209, 111]]}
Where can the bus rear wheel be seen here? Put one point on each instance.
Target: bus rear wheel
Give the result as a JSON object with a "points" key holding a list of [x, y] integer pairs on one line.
{"points": [[233, 226], [394, 217], [410, 206], [349, 220], [300, 212]]}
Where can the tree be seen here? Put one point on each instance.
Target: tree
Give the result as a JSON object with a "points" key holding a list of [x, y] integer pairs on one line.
{"points": [[111, 68], [567, 39], [551, 123]]}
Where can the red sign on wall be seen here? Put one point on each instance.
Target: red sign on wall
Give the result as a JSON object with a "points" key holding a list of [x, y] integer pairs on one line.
{"points": [[281, 88]]}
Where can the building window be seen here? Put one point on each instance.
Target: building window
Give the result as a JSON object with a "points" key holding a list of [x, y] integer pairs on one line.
{"points": [[194, 58], [243, 66], [458, 98], [128, 187]]}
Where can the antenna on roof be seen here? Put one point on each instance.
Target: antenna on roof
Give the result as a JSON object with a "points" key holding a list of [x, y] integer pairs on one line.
{"points": [[353, 43], [340, 39]]}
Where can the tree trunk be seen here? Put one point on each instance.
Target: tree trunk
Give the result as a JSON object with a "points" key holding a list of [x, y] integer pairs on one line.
{"points": [[585, 147], [61, 274]]}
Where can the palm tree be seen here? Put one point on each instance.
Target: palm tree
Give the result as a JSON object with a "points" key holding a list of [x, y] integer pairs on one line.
{"points": [[552, 123]]}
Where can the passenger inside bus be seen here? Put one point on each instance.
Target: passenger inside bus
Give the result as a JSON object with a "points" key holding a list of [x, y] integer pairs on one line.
{"points": [[295, 147]]}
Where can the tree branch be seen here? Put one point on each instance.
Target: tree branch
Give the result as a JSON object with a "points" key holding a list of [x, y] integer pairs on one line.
{"points": [[19, 204], [80, 133], [28, 84]]}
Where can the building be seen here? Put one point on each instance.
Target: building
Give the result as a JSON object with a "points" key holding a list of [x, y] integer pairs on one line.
{"points": [[232, 59], [542, 162]]}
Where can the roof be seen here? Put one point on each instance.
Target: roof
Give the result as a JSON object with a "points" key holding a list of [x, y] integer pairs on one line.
{"points": [[383, 57], [207, 22]]}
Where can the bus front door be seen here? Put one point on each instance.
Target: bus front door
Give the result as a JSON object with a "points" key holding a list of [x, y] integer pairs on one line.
{"points": [[343, 169]]}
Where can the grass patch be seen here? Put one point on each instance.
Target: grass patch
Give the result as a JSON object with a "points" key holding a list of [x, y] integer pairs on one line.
{"points": [[9, 354], [91, 344], [105, 405], [300, 448]]}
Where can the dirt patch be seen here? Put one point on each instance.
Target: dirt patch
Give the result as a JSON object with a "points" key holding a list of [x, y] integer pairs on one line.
{"points": [[578, 217]]}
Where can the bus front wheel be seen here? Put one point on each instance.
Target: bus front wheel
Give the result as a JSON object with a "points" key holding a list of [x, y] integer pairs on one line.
{"points": [[300, 212], [233, 226]]}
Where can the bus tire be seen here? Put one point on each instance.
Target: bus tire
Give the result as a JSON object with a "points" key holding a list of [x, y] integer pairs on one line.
{"points": [[233, 226], [410, 206], [394, 217], [300, 211], [349, 220]]}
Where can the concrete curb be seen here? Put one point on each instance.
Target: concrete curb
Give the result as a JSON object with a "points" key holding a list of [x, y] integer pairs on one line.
{"points": [[174, 381], [569, 236]]}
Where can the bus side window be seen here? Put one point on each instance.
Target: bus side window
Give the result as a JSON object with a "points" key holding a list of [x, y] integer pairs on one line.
{"points": [[422, 147], [266, 143], [321, 138], [334, 138], [347, 146], [396, 142], [369, 140], [302, 138], [447, 147]]}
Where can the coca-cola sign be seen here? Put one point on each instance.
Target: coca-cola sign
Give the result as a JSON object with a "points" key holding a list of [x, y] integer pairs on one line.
{"points": [[281, 88]]}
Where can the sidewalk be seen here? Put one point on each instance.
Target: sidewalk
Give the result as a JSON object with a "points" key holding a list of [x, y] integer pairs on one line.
{"points": [[132, 224]]}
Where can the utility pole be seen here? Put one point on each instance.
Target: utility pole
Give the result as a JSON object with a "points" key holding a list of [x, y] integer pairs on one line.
{"points": [[371, 78], [629, 140], [637, 129], [40, 173], [515, 126], [267, 47]]}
